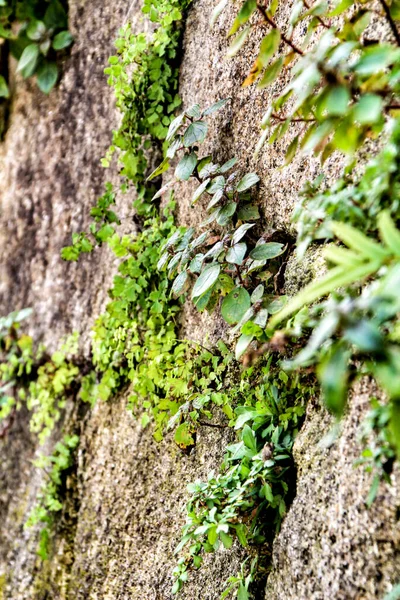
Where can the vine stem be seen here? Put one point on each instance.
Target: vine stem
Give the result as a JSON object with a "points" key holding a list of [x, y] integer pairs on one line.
{"points": [[204, 424], [296, 120], [271, 22], [390, 21], [319, 19]]}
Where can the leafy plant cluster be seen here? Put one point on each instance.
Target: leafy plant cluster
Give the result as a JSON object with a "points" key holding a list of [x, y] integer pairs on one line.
{"points": [[246, 500], [341, 86], [227, 260], [36, 32], [49, 500], [30, 377], [144, 75]]}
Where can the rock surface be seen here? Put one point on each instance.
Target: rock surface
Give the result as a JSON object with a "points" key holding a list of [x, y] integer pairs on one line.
{"points": [[125, 499]]}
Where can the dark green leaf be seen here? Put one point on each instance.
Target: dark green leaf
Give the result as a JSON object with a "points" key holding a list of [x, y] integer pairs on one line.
{"points": [[47, 76], [267, 251], [247, 182], [62, 40], [206, 280], [236, 254], [178, 287], [186, 166], [333, 376], [195, 133], [235, 305], [28, 61], [225, 213]]}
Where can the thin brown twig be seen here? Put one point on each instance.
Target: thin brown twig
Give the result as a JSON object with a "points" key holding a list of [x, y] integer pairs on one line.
{"points": [[204, 424], [319, 19], [271, 22], [390, 21], [296, 120]]}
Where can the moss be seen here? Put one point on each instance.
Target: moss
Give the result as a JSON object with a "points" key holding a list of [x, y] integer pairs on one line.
{"points": [[2, 586]]}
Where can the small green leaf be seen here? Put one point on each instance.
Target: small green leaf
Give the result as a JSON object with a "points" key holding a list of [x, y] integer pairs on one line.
{"points": [[376, 58], [236, 254], [174, 127], [28, 61], [248, 212], [183, 436], [389, 233], [366, 336], [235, 305], [337, 101], [178, 287], [195, 133], [247, 182], [206, 280], [244, 15], [217, 11], [164, 166], [241, 232], [228, 165], [369, 109], [62, 40], [199, 191], [47, 76], [271, 73], [238, 42], [333, 376], [242, 344], [215, 107], [249, 438], [186, 166], [225, 213], [4, 91], [267, 251], [226, 539]]}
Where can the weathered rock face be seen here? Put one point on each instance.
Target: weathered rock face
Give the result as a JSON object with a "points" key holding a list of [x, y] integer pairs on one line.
{"points": [[124, 501]]}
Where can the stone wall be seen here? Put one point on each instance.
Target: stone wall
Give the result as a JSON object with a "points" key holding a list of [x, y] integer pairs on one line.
{"points": [[124, 500]]}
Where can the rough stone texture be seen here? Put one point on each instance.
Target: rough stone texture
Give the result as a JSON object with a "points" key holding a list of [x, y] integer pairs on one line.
{"points": [[124, 502], [331, 545], [51, 177]]}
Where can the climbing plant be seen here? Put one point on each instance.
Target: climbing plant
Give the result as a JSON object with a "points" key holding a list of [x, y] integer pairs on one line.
{"points": [[36, 32], [341, 91]]}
